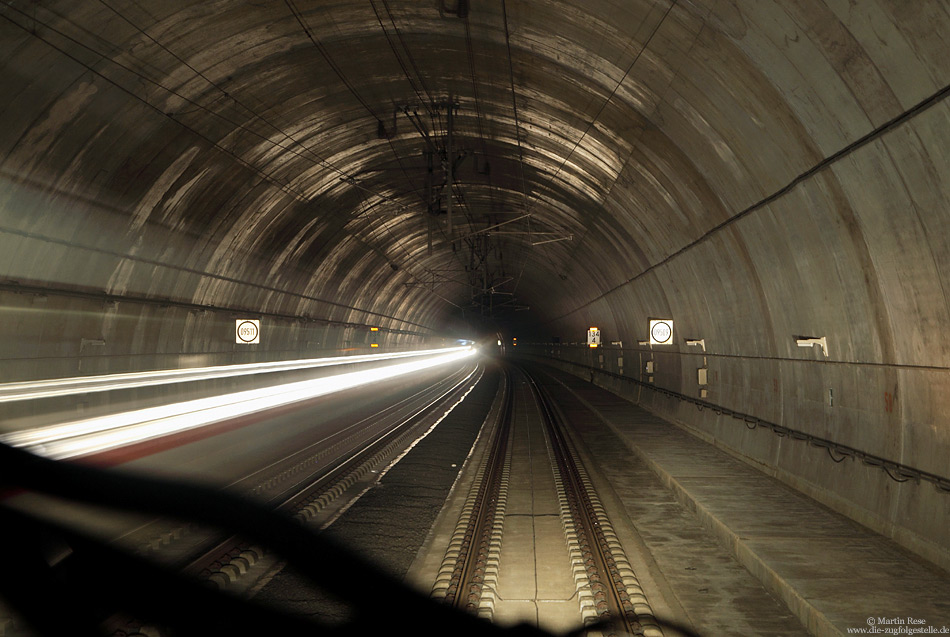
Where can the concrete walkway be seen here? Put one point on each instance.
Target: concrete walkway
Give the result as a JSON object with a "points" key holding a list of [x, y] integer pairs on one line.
{"points": [[832, 573]]}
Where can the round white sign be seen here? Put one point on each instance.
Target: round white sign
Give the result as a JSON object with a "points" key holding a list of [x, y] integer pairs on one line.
{"points": [[661, 332], [248, 331]]}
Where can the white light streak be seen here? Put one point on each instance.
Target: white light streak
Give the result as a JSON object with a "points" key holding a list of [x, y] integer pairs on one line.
{"points": [[32, 390], [95, 435]]}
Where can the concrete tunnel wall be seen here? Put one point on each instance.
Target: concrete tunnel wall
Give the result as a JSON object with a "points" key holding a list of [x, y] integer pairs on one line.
{"points": [[853, 254], [753, 172]]}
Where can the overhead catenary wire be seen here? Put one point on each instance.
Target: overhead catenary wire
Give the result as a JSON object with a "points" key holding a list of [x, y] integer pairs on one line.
{"points": [[307, 153], [253, 112], [406, 60], [343, 78], [419, 77], [514, 105], [296, 194], [227, 94], [331, 62], [590, 125], [258, 171]]}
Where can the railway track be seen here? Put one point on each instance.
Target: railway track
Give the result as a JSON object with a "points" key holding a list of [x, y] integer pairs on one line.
{"points": [[474, 548], [619, 602], [311, 484], [607, 595], [528, 474], [320, 496]]}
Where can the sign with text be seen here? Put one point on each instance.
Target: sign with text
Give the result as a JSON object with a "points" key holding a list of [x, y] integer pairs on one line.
{"points": [[661, 332], [247, 331], [593, 337]]}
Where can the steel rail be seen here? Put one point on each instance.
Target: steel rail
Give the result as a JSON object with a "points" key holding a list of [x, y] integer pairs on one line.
{"points": [[614, 608], [216, 558], [158, 535], [468, 577], [292, 503]]}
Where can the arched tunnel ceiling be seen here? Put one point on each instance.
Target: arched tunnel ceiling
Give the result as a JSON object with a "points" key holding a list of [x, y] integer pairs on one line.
{"points": [[610, 160]]}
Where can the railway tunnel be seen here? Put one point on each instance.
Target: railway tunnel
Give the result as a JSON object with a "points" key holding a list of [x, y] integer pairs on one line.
{"points": [[768, 180]]}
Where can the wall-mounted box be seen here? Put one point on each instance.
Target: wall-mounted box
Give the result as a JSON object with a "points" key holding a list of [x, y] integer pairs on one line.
{"points": [[702, 376]]}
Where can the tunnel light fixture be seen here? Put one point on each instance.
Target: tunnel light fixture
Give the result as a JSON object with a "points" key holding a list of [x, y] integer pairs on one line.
{"points": [[810, 341], [52, 388], [96, 435], [696, 342]]}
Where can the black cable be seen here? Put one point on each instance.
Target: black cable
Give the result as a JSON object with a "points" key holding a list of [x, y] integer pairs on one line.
{"points": [[782, 432], [255, 114], [887, 470], [328, 58], [590, 124], [198, 106], [264, 176], [298, 15], [456, 191], [425, 103], [924, 105], [841, 459]]}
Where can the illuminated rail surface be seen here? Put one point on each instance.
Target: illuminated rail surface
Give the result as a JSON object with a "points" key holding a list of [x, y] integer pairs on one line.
{"points": [[477, 530], [318, 481], [309, 480], [616, 594], [608, 595]]}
